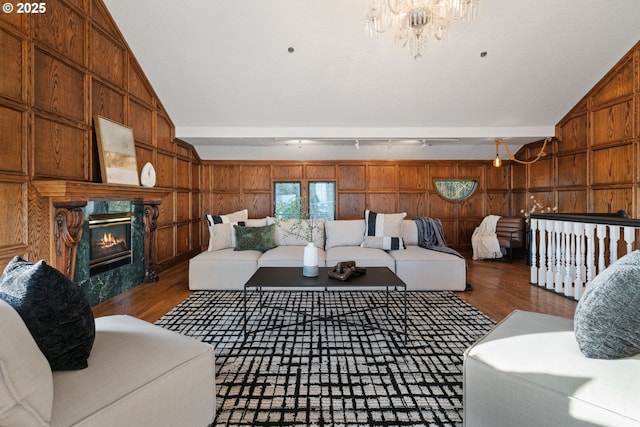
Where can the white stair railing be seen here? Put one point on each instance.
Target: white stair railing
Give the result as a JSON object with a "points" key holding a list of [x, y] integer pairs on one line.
{"points": [[565, 249]]}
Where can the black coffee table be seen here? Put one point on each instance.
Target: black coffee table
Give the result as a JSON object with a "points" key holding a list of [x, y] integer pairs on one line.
{"points": [[291, 278]]}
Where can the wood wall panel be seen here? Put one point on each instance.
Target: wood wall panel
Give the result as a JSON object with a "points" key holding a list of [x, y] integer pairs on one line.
{"points": [[518, 176], [472, 206], [498, 203], [287, 172], [498, 178], [256, 178], [138, 85], [412, 177], [183, 173], [613, 123], [612, 200], [58, 87], [258, 205], [351, 205], [141, 119], [439, 171], [226, 203], [383, 202], [165, 168], [183, 207], [11, 131], [107, 102], [12, 214], [107, 58], [165, 134], [320, 172], [352, 177], [473, 171], [183, 238], [143, 155], [12, 60], [416, 203], [60, 150], [572, 170], [70, 41], [227, 179], [572, 201], [382, 177], [613, 165], [617, 85], [165, 239], [573, 134], [541, 173], [166, 211]]}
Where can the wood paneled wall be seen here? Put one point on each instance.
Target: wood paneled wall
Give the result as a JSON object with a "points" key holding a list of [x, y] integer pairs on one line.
{"points": [[383, 186], [59, 69], [595, 166]]}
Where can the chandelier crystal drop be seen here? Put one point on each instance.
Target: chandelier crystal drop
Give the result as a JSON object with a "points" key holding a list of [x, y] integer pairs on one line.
{"points": [[415, 21]]}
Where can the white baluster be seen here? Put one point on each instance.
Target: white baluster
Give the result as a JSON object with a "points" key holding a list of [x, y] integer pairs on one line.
{"points": [[629, 238], [591, 250], [614, 237], [578, 284], [542, 265], [557, 279], [569, 249], [601, 230], [551, 255], [533, 242]]}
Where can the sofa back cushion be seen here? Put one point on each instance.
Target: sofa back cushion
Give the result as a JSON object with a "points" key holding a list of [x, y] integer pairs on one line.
{"points": [[409, 232], [288, 231], [344, 233], [26, 381]]}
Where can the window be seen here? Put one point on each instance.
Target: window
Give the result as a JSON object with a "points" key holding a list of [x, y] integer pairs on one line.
{"points": [[286, 199], [322, 199], [455, 189]]}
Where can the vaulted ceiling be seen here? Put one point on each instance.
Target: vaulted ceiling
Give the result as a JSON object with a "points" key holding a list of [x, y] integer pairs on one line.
{"points": [[225, 74]]}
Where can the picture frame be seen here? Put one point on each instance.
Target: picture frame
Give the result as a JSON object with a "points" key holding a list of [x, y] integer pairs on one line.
{"points": [[117, 151]]}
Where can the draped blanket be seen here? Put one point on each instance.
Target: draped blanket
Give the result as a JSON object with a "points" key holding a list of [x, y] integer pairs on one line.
{"points": [[431, 236], [484, 240]]}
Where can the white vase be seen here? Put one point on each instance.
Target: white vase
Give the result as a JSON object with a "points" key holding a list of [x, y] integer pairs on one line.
{"points": [[310, 260]]}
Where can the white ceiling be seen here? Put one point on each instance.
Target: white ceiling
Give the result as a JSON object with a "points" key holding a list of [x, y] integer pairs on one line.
{"points": [[224, 74]]}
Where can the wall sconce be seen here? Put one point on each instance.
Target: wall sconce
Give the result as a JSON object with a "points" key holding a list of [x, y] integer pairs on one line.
{"points": [[497, 162]]}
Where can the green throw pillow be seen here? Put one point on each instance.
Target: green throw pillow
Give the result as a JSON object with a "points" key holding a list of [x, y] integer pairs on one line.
{"points": [[606, 322], [255, 238]]}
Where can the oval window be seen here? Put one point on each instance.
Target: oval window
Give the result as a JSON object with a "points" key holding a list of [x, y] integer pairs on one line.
{"points": [[455, 189]]}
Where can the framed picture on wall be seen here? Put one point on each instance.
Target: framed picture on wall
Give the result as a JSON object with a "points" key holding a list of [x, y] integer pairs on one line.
{"points": [[117, 150]]}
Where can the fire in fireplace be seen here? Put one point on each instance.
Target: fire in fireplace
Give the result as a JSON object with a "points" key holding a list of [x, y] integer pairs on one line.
{"points": [[109, 241]]}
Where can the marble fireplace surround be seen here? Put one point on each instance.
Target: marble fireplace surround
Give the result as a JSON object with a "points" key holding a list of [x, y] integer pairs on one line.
{"points": [[68, 199]]}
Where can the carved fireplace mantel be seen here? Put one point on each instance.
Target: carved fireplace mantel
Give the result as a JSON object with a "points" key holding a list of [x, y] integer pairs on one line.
{"points": [[68, 198]]}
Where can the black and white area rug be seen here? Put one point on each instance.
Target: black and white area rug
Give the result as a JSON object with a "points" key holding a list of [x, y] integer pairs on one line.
{"points": [[294, 371]]}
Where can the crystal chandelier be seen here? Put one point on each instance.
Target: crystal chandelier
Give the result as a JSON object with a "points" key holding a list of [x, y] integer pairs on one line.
{"points": [[417, 20]]}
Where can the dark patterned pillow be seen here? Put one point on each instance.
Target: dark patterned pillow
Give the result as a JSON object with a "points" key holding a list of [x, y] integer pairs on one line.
{"points": [[606, 322], [255, 238], [54, 309]]}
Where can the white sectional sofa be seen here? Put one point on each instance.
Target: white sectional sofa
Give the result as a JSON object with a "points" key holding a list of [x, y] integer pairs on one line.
{"points": [[419, 268]]}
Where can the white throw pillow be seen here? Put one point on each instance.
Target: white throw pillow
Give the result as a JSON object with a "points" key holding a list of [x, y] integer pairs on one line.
{"points": [[221, 235], [26, 381], [388, 225]]}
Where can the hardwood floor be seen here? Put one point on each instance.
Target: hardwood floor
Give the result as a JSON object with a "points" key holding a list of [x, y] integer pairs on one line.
{"points": [[499, 287]]}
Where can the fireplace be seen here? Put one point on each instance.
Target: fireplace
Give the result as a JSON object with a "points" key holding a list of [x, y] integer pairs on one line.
{"points": [[109, 241]]}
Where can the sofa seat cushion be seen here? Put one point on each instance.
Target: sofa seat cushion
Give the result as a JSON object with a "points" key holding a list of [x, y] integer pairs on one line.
{"points": [[26, 382], [223, 269], [425, 269], [529, 371], [139, 374], [287, 256], [364, 257]]}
